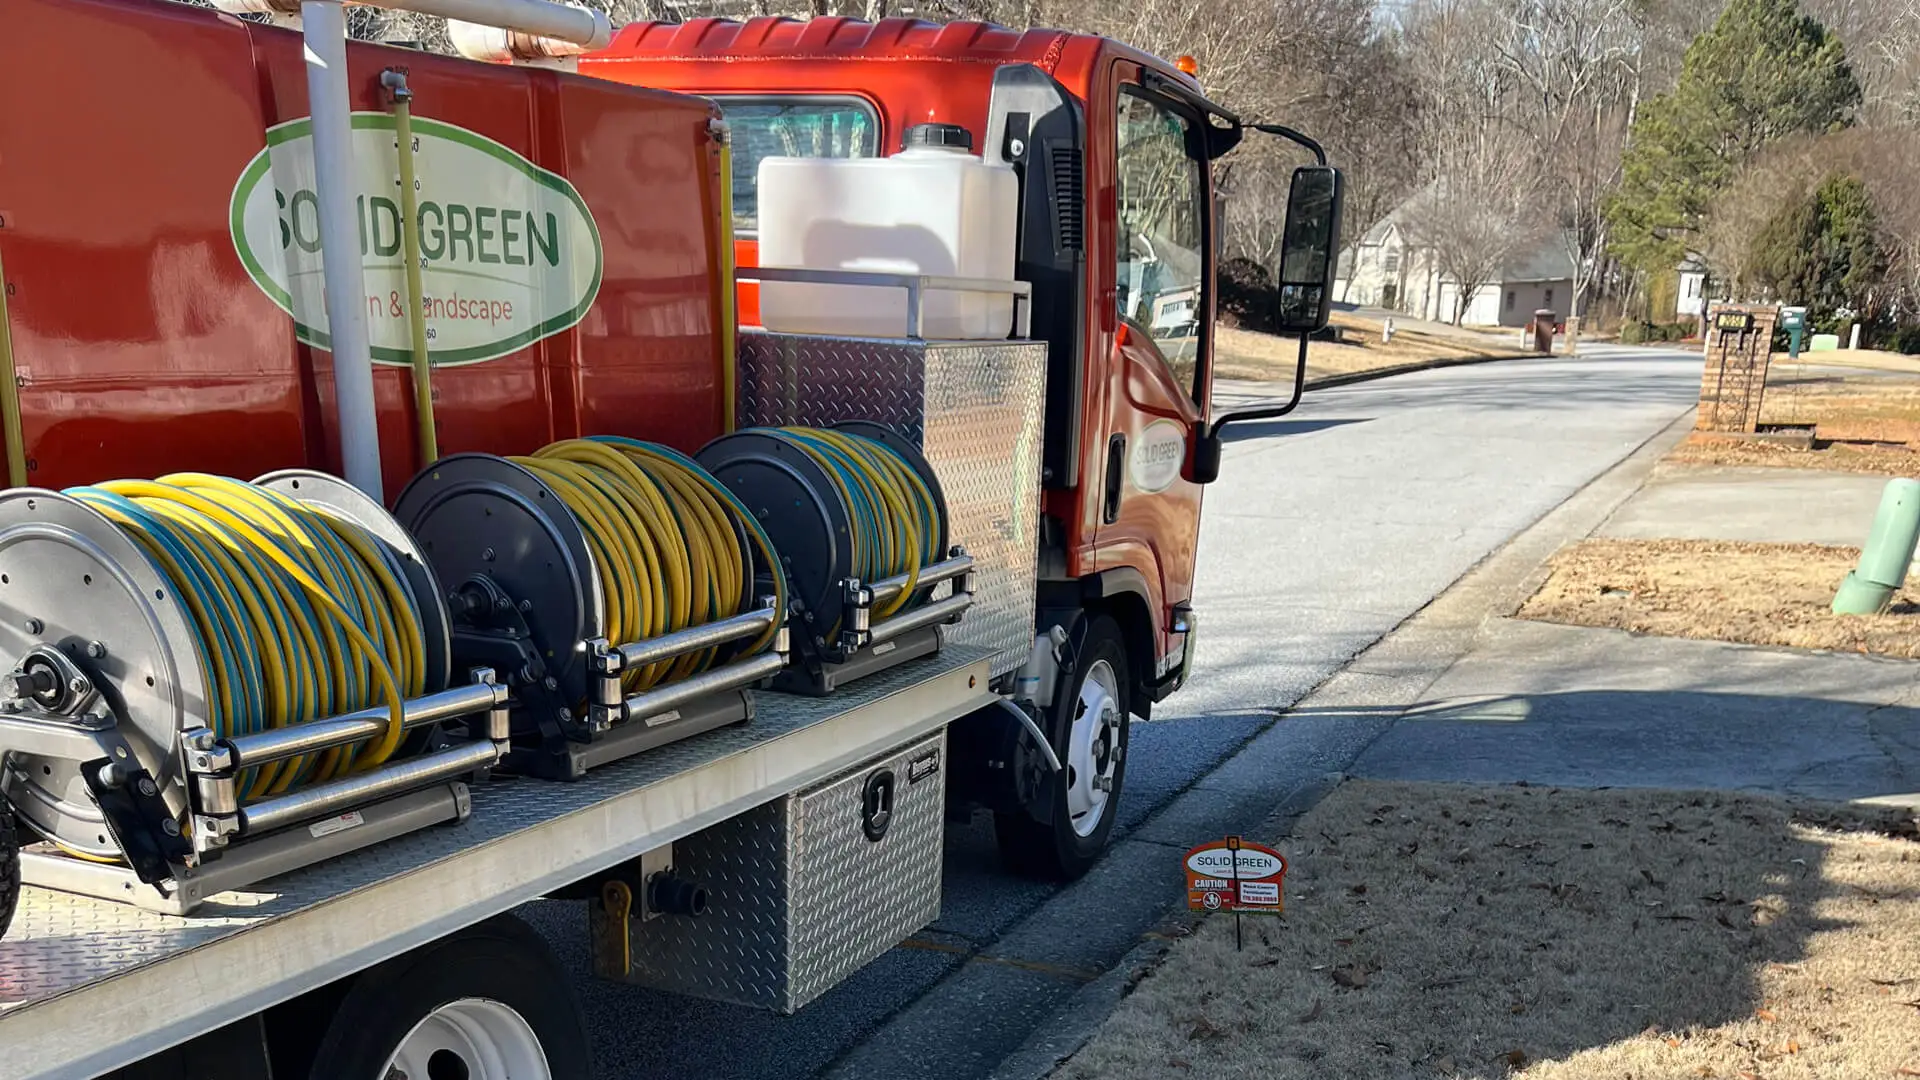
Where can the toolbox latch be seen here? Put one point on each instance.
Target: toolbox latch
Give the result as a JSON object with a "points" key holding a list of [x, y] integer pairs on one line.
{"points": [[876, 805]]}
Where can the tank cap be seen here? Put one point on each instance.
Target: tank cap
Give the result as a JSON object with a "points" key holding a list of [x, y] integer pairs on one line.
{"points": [[938, 137]]}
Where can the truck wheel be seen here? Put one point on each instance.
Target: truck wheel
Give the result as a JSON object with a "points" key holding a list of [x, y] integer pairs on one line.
{"points": [[487, 1003], [9, 865], [1089, 725]]}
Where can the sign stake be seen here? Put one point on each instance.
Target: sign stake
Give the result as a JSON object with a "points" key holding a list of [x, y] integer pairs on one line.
{"points": [[1233, 845]]}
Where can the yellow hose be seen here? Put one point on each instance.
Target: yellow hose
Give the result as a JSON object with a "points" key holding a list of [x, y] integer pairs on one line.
{"points": [[896, 518], [665, 547], [298, 614]]}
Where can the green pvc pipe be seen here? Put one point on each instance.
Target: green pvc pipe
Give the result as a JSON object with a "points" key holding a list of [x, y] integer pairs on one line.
{"points": [[1870, 587], [426, 436]]}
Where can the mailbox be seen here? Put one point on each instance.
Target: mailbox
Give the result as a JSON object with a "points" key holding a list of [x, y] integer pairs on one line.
{"points": [[1794, 321]]}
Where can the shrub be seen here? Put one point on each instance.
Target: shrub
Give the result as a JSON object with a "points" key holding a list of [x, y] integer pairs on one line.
{"points": [[1641, 332], [1247, 294]]}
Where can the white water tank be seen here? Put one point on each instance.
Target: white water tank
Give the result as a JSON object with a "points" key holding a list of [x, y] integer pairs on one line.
{"points": [[932, 209]]}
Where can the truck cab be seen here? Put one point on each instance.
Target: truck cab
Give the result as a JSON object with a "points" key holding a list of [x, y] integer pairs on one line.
{"points": [[1119, 239]]}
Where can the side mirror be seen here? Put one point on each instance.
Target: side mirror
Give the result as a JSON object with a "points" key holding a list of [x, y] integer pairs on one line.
{"points": [[1205, 467], [1308, 250]]}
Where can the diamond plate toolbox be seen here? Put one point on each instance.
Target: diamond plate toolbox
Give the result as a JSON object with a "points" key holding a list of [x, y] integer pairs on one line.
{"points": [[806, 890], [974, 407]]}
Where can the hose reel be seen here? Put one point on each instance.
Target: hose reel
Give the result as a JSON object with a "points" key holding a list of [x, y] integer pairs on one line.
{"points": [[860, 522], [199, 664], [627, 598]]}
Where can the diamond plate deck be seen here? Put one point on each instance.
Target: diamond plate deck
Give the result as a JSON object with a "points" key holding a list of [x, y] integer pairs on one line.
{"points": [[137, 982], [975, 408]]}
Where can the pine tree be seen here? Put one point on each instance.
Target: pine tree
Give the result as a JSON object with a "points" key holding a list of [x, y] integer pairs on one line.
{"points": [[1765, 71], [1822, 250]]}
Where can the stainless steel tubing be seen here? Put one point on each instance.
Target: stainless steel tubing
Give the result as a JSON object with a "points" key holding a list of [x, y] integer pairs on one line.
{"points": [[695, 638], [298, 739], [720, 680], [887, 588], [352, 791], [937, 612]]}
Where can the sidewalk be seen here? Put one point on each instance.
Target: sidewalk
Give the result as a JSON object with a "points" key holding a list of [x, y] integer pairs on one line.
{"points": [[1467, 693]]}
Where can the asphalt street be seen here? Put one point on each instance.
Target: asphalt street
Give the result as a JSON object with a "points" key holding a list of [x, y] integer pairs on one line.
{"points": [[1327, 529]]}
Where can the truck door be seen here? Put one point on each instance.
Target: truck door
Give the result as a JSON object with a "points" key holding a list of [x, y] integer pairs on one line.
{"points": [[1159, 278]]}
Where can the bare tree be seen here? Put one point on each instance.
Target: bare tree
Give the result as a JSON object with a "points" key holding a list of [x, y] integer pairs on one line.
{"points": [[1477, 217], [1887, 161], [1571, 61], [1883, 47]]}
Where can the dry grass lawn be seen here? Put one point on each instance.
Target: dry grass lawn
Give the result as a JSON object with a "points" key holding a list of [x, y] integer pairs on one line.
{"points": [[1465, 932], [1879, 459], [1757, 594], [1860, 424], [1860, 409], [1242, 354]]}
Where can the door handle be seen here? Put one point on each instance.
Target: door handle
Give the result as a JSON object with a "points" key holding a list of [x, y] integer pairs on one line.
{"points": [[876, 805], [1116, 461]]}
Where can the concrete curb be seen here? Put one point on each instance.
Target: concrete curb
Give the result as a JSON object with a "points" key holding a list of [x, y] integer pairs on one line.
{"points": [[1401, 665], [1327, 382]]}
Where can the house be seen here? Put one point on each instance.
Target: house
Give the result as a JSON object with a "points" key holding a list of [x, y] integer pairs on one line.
{"points": [[1387, 269], [1689, 300]]}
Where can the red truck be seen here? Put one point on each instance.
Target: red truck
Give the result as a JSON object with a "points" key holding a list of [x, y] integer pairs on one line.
{"points": [[1120, 238]]}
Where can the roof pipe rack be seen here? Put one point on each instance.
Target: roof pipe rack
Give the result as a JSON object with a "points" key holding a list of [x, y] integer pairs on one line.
{"points": [[580, 26], [527, 29]]}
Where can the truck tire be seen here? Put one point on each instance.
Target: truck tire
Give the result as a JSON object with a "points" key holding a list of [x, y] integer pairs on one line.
{"points": [[486, 1003], [9, 865], [1089, 725]]}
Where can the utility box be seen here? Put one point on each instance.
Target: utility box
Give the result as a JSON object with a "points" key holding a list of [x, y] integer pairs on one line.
{"points": [[805, 890], [1739, 348]]}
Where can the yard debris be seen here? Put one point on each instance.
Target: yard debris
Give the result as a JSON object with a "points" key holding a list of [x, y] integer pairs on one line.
{"points": [[1204, 1028]]}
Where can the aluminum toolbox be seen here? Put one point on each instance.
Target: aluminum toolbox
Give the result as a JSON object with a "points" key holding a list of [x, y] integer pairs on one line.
{"points": [[807, 889], [974, 408]]}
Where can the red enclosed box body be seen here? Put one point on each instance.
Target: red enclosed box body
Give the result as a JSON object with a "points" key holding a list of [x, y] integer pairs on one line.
{"points": [[162, 266]]}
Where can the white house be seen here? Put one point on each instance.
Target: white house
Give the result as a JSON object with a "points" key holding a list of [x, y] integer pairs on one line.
{"points": [[1387, 269], [1689, 298]]}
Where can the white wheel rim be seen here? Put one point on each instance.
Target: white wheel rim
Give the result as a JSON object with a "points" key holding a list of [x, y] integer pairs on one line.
{"points": [[1092, 746], [470, 1039]]}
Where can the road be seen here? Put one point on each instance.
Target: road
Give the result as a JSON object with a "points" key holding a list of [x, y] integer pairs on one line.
{"points": [[1326, 529]]}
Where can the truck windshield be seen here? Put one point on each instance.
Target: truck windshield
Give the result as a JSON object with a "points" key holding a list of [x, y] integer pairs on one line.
{"points": [[791, 127]]}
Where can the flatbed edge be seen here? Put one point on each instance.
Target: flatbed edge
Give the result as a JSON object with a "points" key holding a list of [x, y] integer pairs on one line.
{"points": [[134, 1014]]}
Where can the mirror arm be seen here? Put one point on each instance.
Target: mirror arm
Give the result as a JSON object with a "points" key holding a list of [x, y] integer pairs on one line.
{"points": [[1269, 412], [1287, 133]]}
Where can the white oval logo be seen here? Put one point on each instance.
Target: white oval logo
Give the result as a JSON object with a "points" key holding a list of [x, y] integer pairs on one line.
{"points": [[1219, 862], [509, 252], [1157, 456]]}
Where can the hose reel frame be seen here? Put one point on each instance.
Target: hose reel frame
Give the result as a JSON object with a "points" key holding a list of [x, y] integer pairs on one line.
{"points": [[526, 599], [104, 747], [837, 637]]}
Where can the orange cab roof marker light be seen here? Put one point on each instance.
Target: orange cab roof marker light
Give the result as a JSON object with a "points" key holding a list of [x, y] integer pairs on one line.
{"points": [[1188, 66]]}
